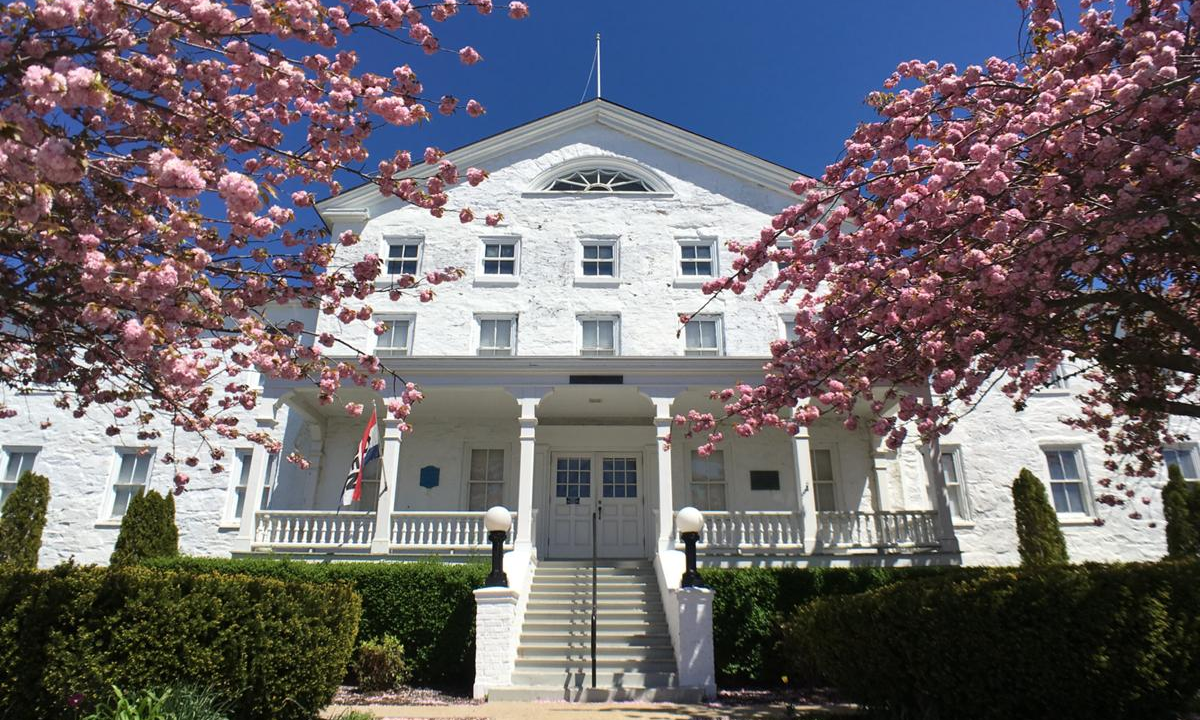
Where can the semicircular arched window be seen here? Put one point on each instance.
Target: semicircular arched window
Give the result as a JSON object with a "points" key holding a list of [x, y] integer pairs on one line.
{"points": [[598, 180]]}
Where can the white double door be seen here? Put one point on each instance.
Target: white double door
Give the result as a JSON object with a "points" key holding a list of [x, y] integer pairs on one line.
{"points": [[608, 484]]}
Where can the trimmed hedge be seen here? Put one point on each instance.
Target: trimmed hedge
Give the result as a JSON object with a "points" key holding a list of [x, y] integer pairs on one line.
{"points": [[147, 530], [276, 650], [751, 603], [1039, 538], [1181, 510], [428, 606], [22, 521], [1079, 642]]}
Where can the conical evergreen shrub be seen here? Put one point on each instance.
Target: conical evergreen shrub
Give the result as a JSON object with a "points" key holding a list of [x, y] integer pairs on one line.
{"points": [[1181, 508], [148, 530], [1039, 539], [22, 521]]}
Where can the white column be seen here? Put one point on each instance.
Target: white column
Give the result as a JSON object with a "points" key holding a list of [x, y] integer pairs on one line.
{"points": [[932, 452], [389, 476], [666, 500], [883, 459], [806, 499], [254, 486], [526, 453]]}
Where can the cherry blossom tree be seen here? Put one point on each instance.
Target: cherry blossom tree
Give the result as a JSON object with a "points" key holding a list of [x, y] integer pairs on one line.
{"points": [[152, 159], [1045, 207]]}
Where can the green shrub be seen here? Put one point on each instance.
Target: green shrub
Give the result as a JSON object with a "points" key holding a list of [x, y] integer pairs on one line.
{"points": [[147, 529], [750, 603], [1065, 642], [1039, 539], [379, 664], [275, 649], [1181, 508], [147, 705], [22, 521], [428, 606]]}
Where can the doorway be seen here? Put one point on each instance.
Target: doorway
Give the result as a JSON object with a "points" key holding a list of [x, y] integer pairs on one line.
{"points": [[607, 483]]}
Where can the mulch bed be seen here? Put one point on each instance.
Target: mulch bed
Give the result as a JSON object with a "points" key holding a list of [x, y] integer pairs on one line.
{"points": [[349, 695]]}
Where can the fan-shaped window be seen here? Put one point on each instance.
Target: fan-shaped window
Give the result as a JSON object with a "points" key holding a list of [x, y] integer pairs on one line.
{"points": [[599, 180]]}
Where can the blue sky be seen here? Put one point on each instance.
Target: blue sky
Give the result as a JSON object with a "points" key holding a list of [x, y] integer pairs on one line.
{"points": [[782, 80]]}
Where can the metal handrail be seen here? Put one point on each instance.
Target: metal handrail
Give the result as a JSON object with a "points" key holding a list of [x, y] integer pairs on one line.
{"points": [[595, 518]]}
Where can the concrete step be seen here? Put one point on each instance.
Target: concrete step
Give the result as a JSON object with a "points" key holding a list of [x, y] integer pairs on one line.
{"points": [[601, 590], [580, 677], [602, 564], [578, 616], [623, 693], [622, 638], [581, 584], [609, 651], [538, 603], [582, 663], [610, 626]]}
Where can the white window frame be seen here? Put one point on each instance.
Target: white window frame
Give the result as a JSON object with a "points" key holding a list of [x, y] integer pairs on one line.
{"points": [[1085, 485], [962, 500], [682, 280], [787, 322], [390, 241], [616, 323], [110, 493], [10, 451], [482, 278], [470, 450], [781, 244], [408, 340], [243, 459], [834, 467], [512, 333], [1189, 449], [1059, 383], [724, 482], [600, 280], [720, 332]]}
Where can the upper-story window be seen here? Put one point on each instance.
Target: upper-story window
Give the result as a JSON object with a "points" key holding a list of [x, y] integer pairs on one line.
{"points": [[403, 256], [599, 336], [598, 258], [497, 335], [131, 474], [1058, 376], [397, 335], [17, 462], [500, 257], [1185, 458], [702, 336], [1067, 482], [598, 179], [697, 258]]}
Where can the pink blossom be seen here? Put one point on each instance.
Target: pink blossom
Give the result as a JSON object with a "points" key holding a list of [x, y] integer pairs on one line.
{"points": [[239, 192], [57, 162], [475, 176], [518, 10], [493, 219], [465, 215], [469, 56], [474, 109]]}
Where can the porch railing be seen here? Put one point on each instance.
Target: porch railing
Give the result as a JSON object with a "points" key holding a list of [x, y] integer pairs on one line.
{"points": [[752, 530], [450, 530], [891, 529], [314, 529]]}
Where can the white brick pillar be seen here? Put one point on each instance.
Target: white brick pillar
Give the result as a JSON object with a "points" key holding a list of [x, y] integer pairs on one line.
{"points": [[696, 661], [666, 500], [806, 499], [389, 477], [495, 630]]}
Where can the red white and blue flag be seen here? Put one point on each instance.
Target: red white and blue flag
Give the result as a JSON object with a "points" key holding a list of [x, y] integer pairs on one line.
{"points": [[368, 450]]}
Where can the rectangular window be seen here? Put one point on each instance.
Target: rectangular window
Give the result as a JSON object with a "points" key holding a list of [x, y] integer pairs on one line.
{"points": [[708, 480], [599, 259], [702, 336], [268, 479], [697, 258], [573, 477], [789, 327], [1067, 485], [784, 247], [497, 336], [243, 458], [403, 257], [397, 336], [1058, 377], [485, 487], [500, 257], [1185, 458], [16, 463], [619, 478], [599, 336], [824, 484], [133, 472], [956, 488]]}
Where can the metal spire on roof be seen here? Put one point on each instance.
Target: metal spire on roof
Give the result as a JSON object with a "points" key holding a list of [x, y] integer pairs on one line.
{"points": [[597, 66]]}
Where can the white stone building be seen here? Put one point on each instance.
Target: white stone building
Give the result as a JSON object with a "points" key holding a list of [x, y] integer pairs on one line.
{"points": [[550, 373]]}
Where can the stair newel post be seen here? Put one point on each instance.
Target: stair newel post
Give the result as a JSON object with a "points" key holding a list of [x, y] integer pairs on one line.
{"points": [[595, 517]]}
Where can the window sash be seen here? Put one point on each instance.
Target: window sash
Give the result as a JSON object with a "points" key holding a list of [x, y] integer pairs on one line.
{"points": [[1185, 458], [696, 259], [573, 477], [133, 473], [404, 258], [824, 482], [1066, 481], [956, 490], [397, 337], [500, 258], [702, 336], [18, 463], [485, 484], [708, 481], [599, 337], [599, 259], [496, 336]]}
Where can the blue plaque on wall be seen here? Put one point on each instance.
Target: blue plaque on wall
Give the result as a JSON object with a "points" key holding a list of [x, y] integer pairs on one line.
{"points": [[430, 475]]}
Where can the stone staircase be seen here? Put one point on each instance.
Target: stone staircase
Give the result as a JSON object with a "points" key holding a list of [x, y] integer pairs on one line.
{"points": [[634, 658]]}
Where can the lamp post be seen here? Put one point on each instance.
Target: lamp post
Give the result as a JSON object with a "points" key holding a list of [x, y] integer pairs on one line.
{"points": [[690, 522], [498, 521]]}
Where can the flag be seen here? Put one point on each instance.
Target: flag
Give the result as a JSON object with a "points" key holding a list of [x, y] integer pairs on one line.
{"points": [[368, 450]]}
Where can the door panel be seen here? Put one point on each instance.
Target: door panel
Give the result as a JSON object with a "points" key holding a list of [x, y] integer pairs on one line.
{"points": [[621, 525], [571, 505]]}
